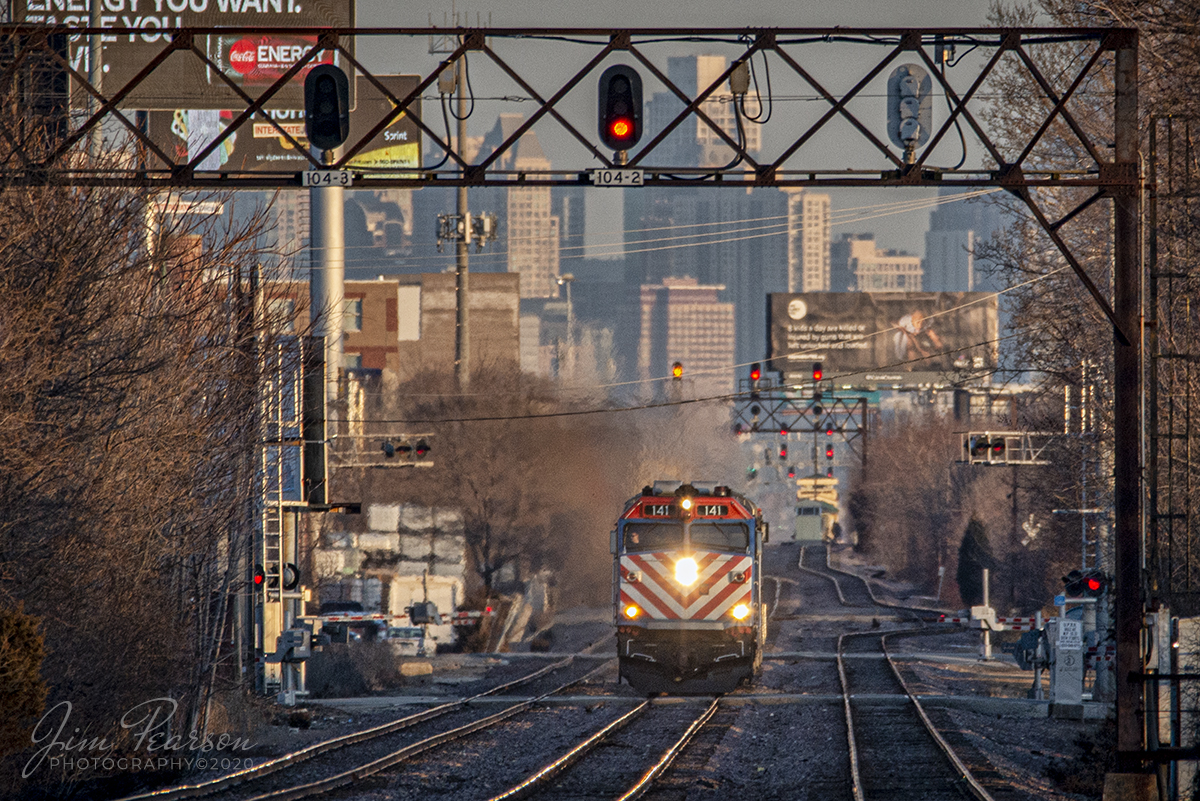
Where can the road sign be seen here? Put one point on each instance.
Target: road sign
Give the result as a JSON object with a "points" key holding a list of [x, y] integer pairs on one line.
{"points": [[1060, 600]]}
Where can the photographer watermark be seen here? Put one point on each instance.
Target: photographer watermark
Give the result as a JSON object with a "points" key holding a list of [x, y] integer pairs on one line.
{"points": [[147, 744]]}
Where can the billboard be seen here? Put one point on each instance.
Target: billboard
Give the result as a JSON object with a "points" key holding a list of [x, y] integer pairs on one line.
{"points": [[883, 338], [257, 145], [250, 61]]}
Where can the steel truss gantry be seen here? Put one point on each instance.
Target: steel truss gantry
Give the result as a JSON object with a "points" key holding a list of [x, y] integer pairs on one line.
{"points": [[1106, 64]]}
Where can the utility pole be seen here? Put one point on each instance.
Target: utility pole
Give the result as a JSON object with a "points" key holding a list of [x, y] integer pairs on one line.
{"points": [[1127, 385], [462, 320], [95, 76]]}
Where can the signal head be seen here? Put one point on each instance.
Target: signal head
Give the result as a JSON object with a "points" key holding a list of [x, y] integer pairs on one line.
{"points": [[755, 372], [326, 106], [829, 452], [620, 107], [677, 370], [818, 373]]}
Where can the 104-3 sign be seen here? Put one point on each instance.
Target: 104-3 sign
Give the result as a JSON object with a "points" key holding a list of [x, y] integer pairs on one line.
{"points": [[616, 177], [326, 178]]}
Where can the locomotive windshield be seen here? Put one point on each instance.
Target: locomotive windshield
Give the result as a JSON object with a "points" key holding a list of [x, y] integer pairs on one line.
{"points": [[720, 536], [653, 536]]}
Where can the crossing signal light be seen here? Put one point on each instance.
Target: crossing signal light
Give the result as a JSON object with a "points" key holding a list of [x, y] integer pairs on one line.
{"points": [[818, 373], [620, 107], [1095, 582], [677, 371], [326, 106], [1073, 584], [260, 576]]}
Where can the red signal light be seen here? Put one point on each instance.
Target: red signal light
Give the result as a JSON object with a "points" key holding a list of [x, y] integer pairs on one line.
{"points": [[817, 372], [783, 432], [755, 372], [829, 452], [260, 577], [1094, 584], [829, 432], [621, 128]]}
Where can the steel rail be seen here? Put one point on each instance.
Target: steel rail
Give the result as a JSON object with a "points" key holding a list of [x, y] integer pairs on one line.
{"points": [[304, 754], [668, 758], [973, 784], [852, 748], [375, 766], [534, 782]]}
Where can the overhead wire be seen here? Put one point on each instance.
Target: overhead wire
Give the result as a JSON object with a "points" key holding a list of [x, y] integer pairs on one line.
{"points": [[619, 248]]}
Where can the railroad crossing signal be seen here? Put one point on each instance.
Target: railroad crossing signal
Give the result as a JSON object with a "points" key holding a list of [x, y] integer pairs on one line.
{"points": [[1003, 447], [1090, 583]]}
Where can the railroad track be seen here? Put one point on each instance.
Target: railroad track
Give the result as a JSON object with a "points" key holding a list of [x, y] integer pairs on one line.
{"points": [[895, 750], [321, 767], [624, 773]]}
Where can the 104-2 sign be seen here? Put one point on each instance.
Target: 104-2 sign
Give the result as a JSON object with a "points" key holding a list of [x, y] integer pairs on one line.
{"points": [[616, 177]]}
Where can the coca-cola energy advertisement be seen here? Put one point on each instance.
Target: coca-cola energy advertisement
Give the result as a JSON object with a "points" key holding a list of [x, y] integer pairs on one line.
{"points": [[258, 144], [250, 61]]}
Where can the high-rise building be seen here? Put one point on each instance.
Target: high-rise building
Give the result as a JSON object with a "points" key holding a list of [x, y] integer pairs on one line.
{"points": [[529, 230], [844, 256], [684, 321], [808, 218], [694, 142], [858, 264], [955, 231]]}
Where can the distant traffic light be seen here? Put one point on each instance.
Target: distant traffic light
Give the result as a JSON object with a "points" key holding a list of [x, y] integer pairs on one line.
{"points": [[792, 471], [620, 107], [828, 451], [389, 449], [326, 106], [755, 372], [751, 472], [818, 373], [783, 451], [422, 448], [260, 576], [677, 371]]}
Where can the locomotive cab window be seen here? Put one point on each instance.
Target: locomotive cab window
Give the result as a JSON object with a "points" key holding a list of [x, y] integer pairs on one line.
{"points": [[652, 536], [720, 536]]}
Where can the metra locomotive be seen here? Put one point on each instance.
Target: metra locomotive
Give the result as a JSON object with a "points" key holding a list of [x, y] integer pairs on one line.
{"points": [[687, 588]]}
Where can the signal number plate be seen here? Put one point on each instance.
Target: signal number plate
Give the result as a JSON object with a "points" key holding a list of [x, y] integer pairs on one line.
{"points": [[326, 178], [616, 177]]}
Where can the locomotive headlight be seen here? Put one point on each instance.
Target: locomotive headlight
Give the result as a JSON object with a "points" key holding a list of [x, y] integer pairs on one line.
{"points": [[632, 611], [686, 504], [740, 612], [687, 571]]}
